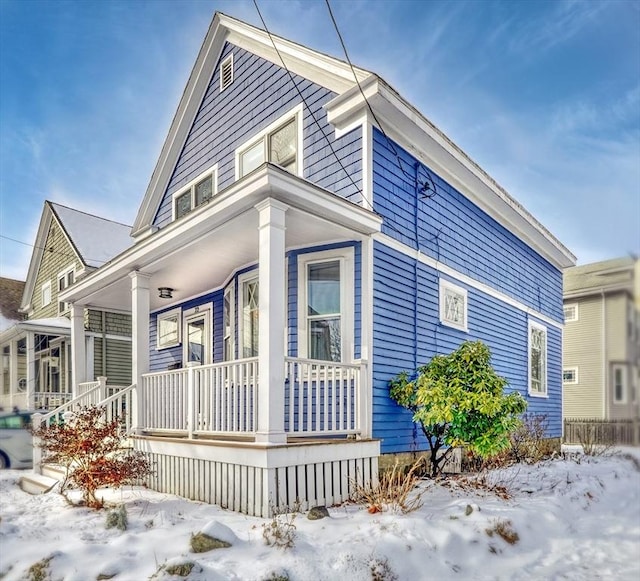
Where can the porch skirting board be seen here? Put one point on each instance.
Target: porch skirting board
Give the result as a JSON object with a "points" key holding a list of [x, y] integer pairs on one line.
{"points": [[255, 480]]}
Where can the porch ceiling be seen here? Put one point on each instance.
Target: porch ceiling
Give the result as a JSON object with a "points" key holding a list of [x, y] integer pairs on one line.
{"points": [[197, 253]]}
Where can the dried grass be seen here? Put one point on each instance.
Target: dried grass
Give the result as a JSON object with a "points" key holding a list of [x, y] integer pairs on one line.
{"points": [[393, 490]]}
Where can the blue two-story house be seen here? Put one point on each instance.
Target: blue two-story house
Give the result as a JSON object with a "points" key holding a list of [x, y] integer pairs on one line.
{"points": [[306, 235]]}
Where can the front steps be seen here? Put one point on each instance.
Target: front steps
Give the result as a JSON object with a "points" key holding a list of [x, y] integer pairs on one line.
{"points": [[42, 483]]}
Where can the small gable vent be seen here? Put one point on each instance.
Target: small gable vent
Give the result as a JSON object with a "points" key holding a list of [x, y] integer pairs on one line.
{"points": [[226, 72]]}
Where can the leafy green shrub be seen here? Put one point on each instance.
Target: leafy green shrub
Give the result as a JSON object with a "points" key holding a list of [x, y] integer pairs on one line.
{"points": [[458, 400]]}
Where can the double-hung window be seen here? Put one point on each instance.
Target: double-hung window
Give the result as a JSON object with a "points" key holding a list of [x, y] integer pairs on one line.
{"points": [[197, 193], [65, 280], [168, 331], [325, 315], [619, 384], [280, 144], [537, 359], [228, 327], [46, 293]]}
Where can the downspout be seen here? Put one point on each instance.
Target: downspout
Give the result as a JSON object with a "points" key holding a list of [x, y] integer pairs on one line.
{"points": [[415, 270]]}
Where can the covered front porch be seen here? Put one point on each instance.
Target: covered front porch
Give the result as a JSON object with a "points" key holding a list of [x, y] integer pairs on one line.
{"points": [[251, 339]]}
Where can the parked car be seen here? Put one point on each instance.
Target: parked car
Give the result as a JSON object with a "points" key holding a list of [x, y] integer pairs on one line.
{"points": [[16, 442]]}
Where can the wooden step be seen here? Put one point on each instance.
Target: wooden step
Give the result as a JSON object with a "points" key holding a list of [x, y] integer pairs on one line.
{"points": [[37, 483], [54, 471]]}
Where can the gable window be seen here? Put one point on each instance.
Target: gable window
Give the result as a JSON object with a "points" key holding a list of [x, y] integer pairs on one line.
{"points": [[570, 313], [249, 319], [570, 375], [65, 280], [46, 293], [453, 305], [537, 359], [620, 384], [325, 316], [168, 329], [280, 144], [226, 72], [228, 330], [197, 193]]}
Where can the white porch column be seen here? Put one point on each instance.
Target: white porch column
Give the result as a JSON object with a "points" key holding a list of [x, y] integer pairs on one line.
{"points": [[272, 306], [78, 349], [13, 371], [140, 305], [31, 368]]}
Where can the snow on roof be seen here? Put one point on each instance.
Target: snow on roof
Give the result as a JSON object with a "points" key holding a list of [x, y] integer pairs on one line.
{"points": [[54, 322], [97, 239]]}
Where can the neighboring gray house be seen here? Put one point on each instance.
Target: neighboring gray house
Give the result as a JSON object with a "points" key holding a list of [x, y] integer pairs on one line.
{"points": [[37, 351], [601, 348]]}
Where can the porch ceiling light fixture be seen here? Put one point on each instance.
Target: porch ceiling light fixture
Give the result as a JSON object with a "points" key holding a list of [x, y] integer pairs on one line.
{"points": [[164, 292]]}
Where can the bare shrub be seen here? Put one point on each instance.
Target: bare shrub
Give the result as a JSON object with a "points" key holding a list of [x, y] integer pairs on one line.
{"points": [[504, 529], [381, 570], [591, 441], [392, 490], [492, 482], [92, 451], [281, 530]]}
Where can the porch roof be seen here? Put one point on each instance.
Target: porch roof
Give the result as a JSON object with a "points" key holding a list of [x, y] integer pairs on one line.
{"points": [[196, 253], [50, 326]]}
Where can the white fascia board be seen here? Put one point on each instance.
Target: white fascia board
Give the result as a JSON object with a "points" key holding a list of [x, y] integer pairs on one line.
{"points": [[324, 70], [415, 133], [180, 126], [266, 181]]}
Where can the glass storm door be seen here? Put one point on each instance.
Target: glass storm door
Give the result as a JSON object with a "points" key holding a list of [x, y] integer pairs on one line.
{"points": [[197, 338]]}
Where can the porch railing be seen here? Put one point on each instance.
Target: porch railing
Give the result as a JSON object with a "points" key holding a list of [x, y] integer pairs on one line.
{"points": [[208, 399], [322, 397], [49, 400], [117, 402]]}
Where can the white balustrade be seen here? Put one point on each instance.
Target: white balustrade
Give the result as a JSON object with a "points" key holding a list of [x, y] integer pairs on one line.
{"points": [[322, 397]]}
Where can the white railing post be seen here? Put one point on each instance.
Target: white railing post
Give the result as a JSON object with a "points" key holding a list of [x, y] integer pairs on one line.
{"points": [[36, 422], [191, 397], [102, 382]]}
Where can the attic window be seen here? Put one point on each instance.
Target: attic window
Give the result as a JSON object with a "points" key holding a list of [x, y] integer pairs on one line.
{"points": [[197, 193], [226, 72]]}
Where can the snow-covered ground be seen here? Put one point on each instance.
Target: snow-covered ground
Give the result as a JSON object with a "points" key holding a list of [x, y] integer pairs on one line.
{"points": [[575, 519]]}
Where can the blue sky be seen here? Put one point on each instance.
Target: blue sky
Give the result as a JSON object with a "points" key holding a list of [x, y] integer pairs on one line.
{"points": [[545, 96]]}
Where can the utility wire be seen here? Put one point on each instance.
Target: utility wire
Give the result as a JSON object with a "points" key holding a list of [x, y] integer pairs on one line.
{"points": [[426, 186], [264, 24], [51, 250]]}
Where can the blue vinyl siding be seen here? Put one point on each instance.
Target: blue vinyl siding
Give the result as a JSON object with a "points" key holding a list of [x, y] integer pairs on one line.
{"points": [[407, 333], [161, 359], [261, 93], [453, 230]]}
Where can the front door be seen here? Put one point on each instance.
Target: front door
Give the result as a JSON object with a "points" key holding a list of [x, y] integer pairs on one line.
{"points": [[197, 336]]}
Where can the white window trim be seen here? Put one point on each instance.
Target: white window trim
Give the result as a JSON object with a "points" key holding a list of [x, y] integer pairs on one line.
{"points": [[242, 278], [46, 287], [625, 382], [297, 113], [444, 286], [213, 172], [222, 65], [575, 312], [534, 325], [575, 376], [347, 298], [177, 312], [205, 309], [230, 288], [63, 274]]}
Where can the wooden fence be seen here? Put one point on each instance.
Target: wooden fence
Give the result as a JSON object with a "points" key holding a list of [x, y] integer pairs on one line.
{"points": [[601, 432]]}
